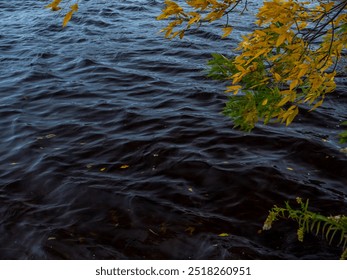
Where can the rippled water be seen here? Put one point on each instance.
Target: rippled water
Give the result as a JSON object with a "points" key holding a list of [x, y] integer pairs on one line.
{"points": [[113, 145]]}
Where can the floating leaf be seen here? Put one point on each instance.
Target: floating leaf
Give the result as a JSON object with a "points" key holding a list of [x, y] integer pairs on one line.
{"points": [[103, 169], [190, 230], [152, 231], [50, 136], [124, 166], [223, 234]]}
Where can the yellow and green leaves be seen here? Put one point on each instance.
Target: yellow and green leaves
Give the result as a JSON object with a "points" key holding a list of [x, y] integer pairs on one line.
{"points": [[299, 43], [196, 12], [331, 228], [288, 60]]}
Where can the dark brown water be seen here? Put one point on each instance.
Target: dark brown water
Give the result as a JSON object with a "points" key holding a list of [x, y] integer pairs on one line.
{"points": [[113, 145]]}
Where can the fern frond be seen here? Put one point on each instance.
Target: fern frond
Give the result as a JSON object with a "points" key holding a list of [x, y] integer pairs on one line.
{"points": [[310, 222]]}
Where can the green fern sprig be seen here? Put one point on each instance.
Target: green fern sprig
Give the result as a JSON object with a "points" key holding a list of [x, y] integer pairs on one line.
{"points": [[332, 228]]}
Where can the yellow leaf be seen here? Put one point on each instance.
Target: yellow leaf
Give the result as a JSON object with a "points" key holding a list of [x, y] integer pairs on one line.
{"points": [[190, 230], [319, 103], [303, 71], [223, 234], [235, 89], [54, 5], [102, 169], [327, 7], [196, 18], [124, 166], [67, 18], [289, 168], [277, 77], [74, 7], [302, 25], [226, 31], [284, 101], [264, 102], [293, 84], [281, 39], [293, 111]]}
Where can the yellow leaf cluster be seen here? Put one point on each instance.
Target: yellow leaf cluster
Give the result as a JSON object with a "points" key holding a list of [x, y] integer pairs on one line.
{"points": [[300, 42], [54, 6], [197, 11], [292, 53]]}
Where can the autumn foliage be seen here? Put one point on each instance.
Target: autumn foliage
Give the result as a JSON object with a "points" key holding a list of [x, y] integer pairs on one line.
{"points": [[288, 61]]}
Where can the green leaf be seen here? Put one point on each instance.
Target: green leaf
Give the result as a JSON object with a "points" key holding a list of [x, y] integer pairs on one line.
{"points": [[343, 137]]}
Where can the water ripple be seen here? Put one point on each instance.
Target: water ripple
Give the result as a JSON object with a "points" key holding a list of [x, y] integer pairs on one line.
{"points": [[114, 147]]}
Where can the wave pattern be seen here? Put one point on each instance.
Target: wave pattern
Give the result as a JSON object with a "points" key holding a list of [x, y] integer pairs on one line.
{"points": [[113, 145]]}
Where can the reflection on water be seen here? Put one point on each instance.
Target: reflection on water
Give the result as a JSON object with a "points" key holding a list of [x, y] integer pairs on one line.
{"points": [[113, 145]]}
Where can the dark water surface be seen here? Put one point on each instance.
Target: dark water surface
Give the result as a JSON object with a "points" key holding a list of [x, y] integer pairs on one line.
{"points": [[113, 145]]}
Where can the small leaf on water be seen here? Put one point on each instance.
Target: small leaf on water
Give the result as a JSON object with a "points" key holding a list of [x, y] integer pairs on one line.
{"points": [[50, 136], [152, 231], [190, 189], [223, 234], [289, 168], [190, 230], [124, 166], [103, 169]]}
